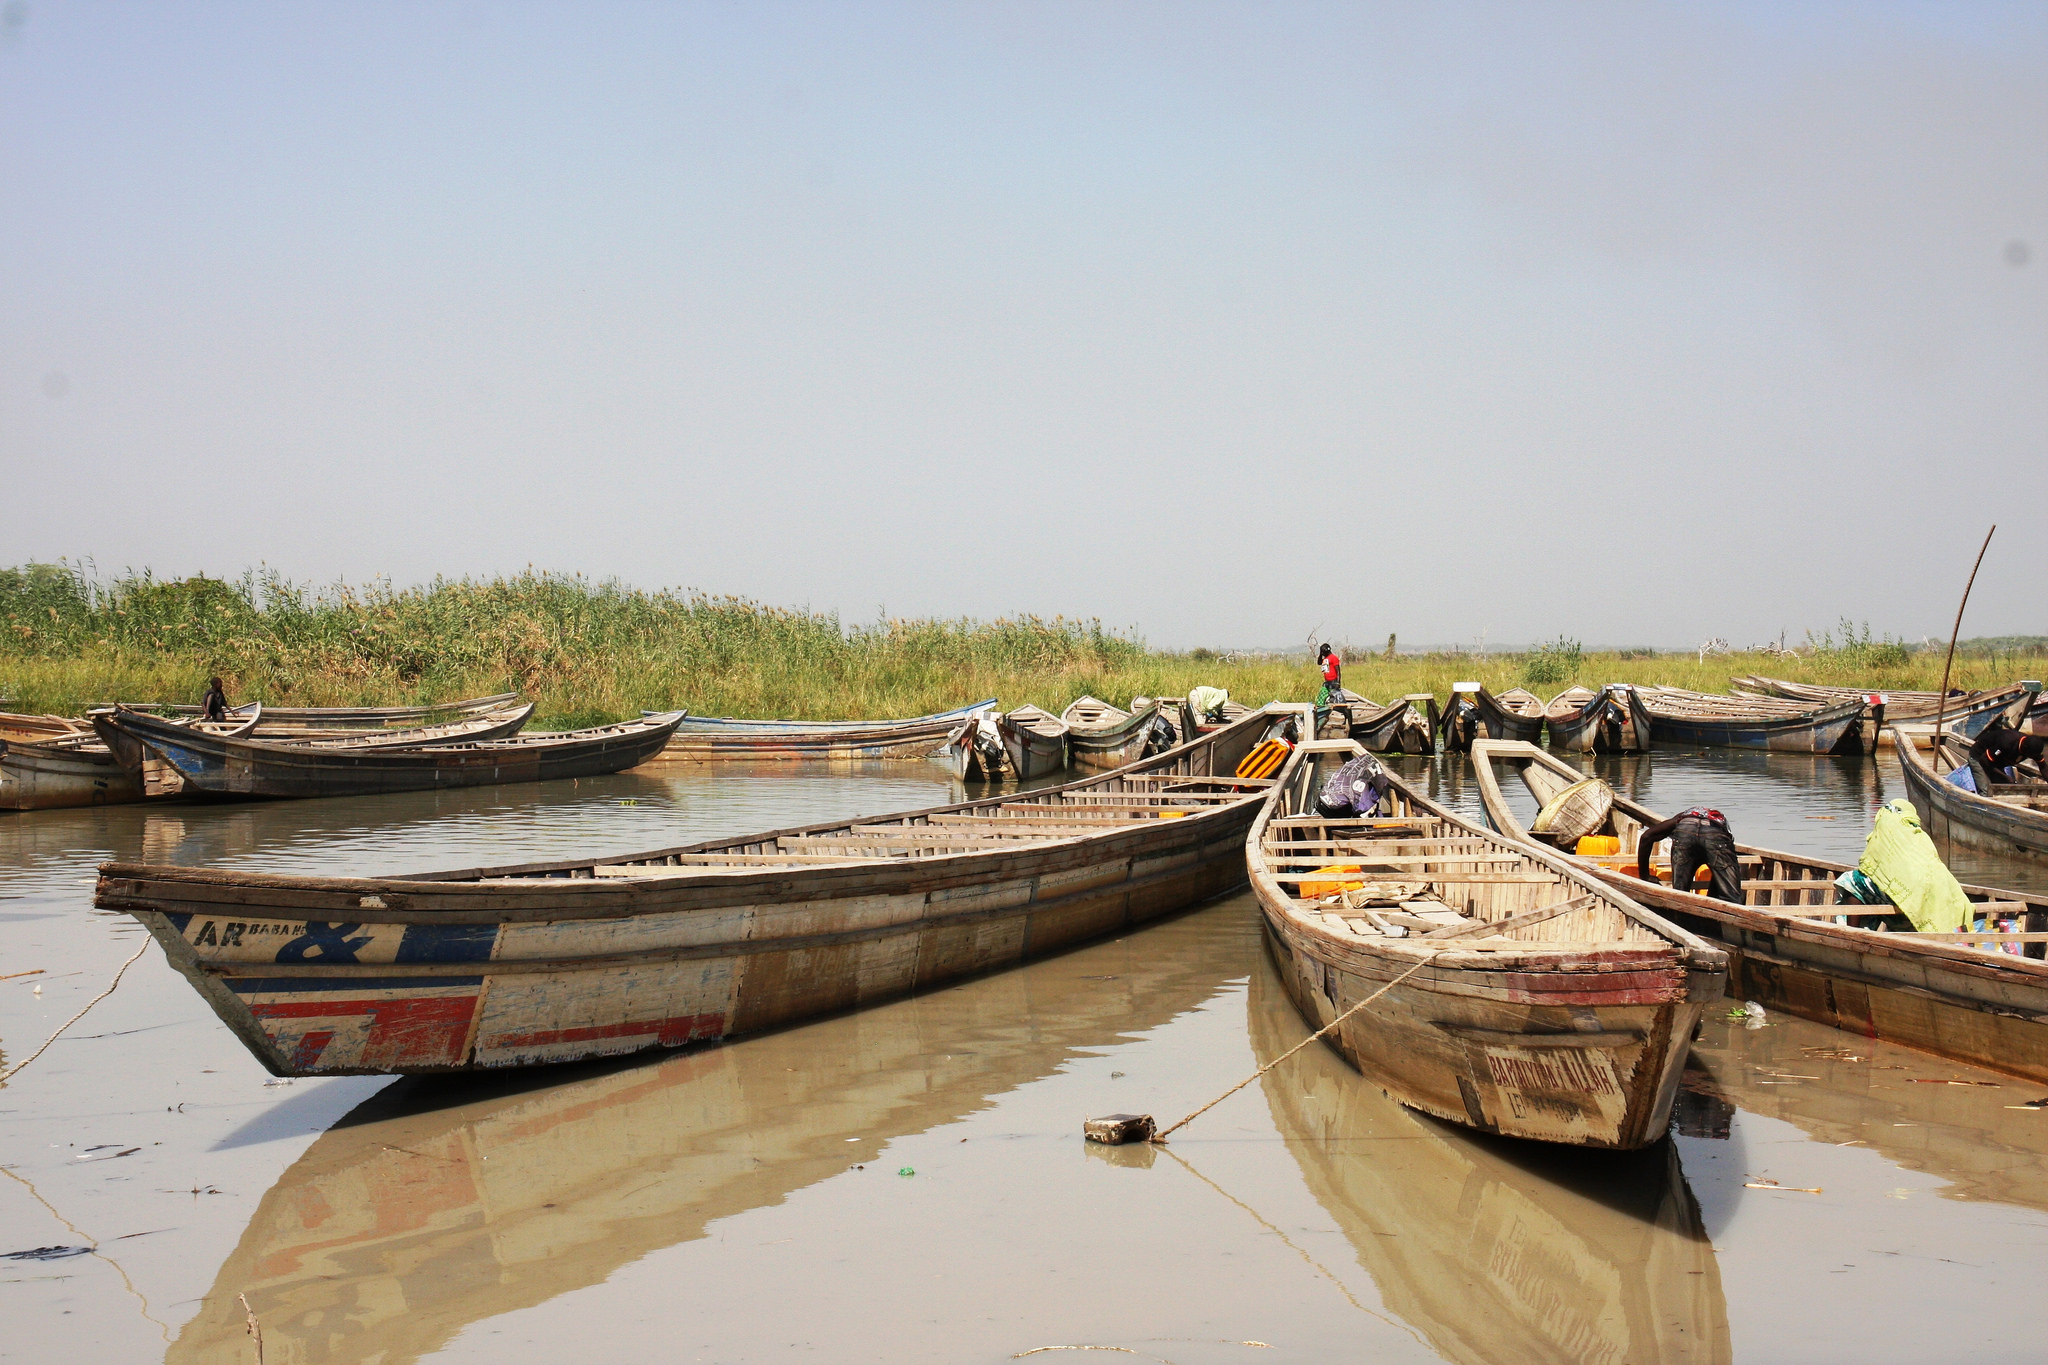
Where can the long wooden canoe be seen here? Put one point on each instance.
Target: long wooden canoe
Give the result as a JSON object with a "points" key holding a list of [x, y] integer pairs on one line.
{"points": [[1673, 715], [1497, 1253], [552, 962], [1036, 741], [1101, 736], [709, 738], [1584, 721], [1969, 712], [1522, 996], [2007, 818], [359, 765], [40, 729], [1932, 992], [1399, 727], [345, 717], [1475, 713]]}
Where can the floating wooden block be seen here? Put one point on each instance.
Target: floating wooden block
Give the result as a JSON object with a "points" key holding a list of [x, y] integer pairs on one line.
{"points": [[1115, 1130]]}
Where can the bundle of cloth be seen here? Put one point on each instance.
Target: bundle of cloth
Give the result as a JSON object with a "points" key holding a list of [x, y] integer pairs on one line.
{"points": [[1354, 790], [1900, 866]]}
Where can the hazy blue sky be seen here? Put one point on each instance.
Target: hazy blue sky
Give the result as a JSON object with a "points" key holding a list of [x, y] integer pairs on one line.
{"points": [[1635, 322]]}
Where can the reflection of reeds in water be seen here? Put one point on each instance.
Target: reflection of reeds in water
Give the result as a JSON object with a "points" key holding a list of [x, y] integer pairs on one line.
{"points": [[405, 1224], [1497, 1251]]}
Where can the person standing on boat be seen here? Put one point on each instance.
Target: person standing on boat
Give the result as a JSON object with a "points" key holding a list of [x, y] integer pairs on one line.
{"points": [[1699, 837], [214, 706], [1333, 676]]}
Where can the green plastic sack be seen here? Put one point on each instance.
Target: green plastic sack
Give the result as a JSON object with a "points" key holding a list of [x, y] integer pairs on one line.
{"points": [[1902, 860]]}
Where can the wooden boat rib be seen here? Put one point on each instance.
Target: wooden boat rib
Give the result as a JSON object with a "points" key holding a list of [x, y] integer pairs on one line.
{"points": [[710, 738], [2007, 818], [1475, 713], [347, 717], [1101, 737], [1036, 741], [1934, 993], [553, 962], [1585, 721], [220, 766], [1399, 727], [1522, 996], [1672, 715]]}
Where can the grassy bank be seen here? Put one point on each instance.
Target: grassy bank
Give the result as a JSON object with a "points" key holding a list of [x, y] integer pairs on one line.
{"points": [[590, 652]]}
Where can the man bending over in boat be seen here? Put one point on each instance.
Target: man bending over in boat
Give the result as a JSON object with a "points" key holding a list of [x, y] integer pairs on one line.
{"points": [[214, 706], [1333, 675], [2001, 748], [1698, 837]]}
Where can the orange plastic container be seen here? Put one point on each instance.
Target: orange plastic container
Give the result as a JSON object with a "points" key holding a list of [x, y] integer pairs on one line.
{"points": [[1599, 846]]}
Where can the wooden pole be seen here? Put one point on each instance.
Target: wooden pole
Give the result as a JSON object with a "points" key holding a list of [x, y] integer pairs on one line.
{"points": [[1941, 702]]}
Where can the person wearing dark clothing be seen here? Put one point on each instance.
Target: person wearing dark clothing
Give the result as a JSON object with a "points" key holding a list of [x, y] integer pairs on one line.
{"points": [[1699, 837], [215, 704], [1999, 746], [1333, 675]]}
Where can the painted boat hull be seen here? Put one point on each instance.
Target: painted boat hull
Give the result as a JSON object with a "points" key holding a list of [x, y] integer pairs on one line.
{"points": [[331, 976], [1604, 725], [45, 777], [1949, 813], [1578, 1047], [213, 765], [1479, 715], [1399, 727], [1103, 750], [1033, 755], [1986, 1009], [1818, 732], [702, 739]]}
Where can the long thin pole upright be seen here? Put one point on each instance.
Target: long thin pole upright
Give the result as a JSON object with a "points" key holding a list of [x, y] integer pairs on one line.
{"points": [[1941, 703]]}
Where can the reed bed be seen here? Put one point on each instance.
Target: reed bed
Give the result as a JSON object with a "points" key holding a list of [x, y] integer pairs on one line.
{"points": [[591, 652]]}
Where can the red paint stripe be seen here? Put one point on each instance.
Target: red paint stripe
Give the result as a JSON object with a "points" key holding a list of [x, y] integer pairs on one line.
{"points": [[681, 1028], [441, 1009]]}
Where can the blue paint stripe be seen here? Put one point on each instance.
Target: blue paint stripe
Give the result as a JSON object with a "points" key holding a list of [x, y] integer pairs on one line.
{"points": [[342, 985], [179, 920], [447, 943]]}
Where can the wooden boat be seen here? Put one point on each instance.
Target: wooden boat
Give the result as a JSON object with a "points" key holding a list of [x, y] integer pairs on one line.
{"points": [[1101, 737], [77, 768], [1035, 740], [520, 1194], [709, 738], [1932, 992], [40, 729], [1521, 996], [1496, 1253], [214, 765], [1399, 727], [1475, 713], [1584, 721], [2000, 817], [1674, 715], [345, 717], [1969, 711], [551, 962]]}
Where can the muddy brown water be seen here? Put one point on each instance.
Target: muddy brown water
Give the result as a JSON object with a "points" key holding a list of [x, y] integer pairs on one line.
{"points": [[908, 1183]]}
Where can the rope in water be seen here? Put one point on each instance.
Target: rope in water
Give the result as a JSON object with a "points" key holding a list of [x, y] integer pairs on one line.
{"points": [[1161, 1135], [15, 1070]]}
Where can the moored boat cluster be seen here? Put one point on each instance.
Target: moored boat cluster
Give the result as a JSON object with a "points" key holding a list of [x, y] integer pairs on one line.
{"points": [[1537, 979]]}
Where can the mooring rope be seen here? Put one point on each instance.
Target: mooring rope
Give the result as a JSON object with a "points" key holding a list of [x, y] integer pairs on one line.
{"points": [[1161, 1135], [15, 1070]]}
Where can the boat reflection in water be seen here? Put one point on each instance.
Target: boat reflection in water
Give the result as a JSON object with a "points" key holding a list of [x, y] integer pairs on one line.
{"points": [[405, 1224], [1496, 1250]]}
